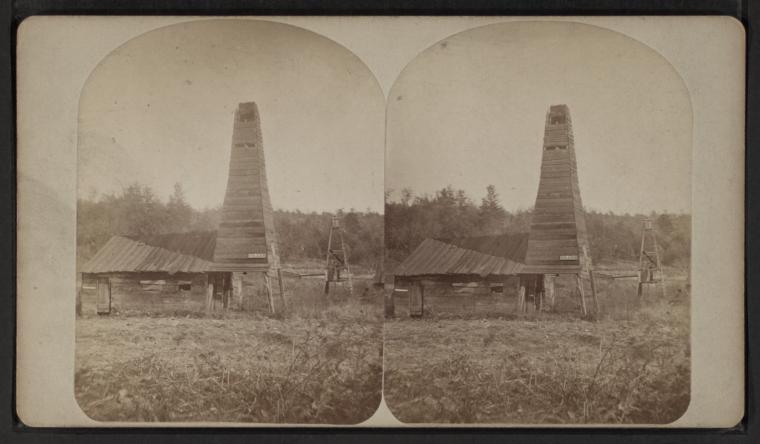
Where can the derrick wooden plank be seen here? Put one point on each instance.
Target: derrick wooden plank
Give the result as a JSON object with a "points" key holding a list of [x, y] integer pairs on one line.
{"points": [[535, 244], [558, 223]]}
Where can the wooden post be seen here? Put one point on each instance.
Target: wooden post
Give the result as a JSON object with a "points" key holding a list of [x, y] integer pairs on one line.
{"points": [[532, 292], [282, 288], [505, 291], [642, 279], [209, 294], [226, 290], [328, 276], [540, 292], [579, 284], [270, 296], [593, 291], [521, 295], [79, 295], [549, 290], [390, 308], [104, 295], [237, 291], [528, 293], [416, 300], [517, 295], [422, 298]]}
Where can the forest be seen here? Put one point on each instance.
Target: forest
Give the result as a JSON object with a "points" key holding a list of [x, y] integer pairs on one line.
{"points": [[138, 211], [450, 213]]}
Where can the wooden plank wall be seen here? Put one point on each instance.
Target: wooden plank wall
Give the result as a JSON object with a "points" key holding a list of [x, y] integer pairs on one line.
{"points": [[246, 229], [129, 296], [558, 227], [466, 299]]}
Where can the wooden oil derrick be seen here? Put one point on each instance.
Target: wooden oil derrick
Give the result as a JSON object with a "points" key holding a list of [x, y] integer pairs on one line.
{"points": [[246, 242], [336, 262], [650, 268], [557, 242]]}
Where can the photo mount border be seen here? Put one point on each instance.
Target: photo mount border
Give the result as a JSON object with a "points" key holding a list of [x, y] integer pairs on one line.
{"points": [[746, 431]]}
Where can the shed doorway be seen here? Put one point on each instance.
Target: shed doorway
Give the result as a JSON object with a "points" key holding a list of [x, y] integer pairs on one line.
{"points": [[104, 295], [416, 300]]}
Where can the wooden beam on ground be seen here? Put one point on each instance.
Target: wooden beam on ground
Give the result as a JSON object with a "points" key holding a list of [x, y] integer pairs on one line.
{"points": [[610, 276]]}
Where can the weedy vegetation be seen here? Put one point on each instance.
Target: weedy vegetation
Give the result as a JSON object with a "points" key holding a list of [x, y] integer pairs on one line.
{"points": [[629, 364], [318, 362]]}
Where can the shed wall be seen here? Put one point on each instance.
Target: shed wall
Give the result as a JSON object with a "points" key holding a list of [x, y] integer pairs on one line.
{"points": [[246, 235], [461, 299], [128, 295]]}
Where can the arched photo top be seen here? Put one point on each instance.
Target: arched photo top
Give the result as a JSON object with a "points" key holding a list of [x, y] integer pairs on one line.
{"points": [[470, 110], [159, 110]]}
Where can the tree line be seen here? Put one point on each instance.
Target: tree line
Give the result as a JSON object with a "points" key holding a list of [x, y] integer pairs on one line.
{"points": [[450, 213], [137, 211]]}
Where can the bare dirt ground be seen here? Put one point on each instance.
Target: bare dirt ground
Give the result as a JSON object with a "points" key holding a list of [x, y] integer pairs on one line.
{"points": [[631, 365], [320, 362]]}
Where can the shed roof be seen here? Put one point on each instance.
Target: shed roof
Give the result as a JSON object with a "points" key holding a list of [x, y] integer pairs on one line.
{"points": [[510, 246], [196, 243], [501, 255], [170, 253]]}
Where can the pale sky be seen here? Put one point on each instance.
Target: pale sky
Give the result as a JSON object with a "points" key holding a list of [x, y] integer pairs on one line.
{"points": [[159, 110], [470, 111]]}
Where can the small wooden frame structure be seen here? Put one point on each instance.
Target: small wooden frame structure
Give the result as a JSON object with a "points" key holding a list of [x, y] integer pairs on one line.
{"points": [[650, 268], [149, 273], [489, 262], [336, 261]]}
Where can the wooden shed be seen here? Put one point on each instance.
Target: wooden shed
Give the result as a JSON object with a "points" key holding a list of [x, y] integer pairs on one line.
{"points": [[472, 274], [151, 274]]}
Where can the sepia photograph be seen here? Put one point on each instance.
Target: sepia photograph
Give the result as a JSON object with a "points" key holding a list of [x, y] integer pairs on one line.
{"points": [[229, 223], [538, 230], [380, 222]]}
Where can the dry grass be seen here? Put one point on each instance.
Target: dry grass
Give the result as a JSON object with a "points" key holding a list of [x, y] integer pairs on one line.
{"points": [[320, 362], [630, 365]]}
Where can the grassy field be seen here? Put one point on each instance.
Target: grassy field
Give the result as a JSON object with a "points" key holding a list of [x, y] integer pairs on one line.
{"points": [[319, 362], [629, 365]]}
